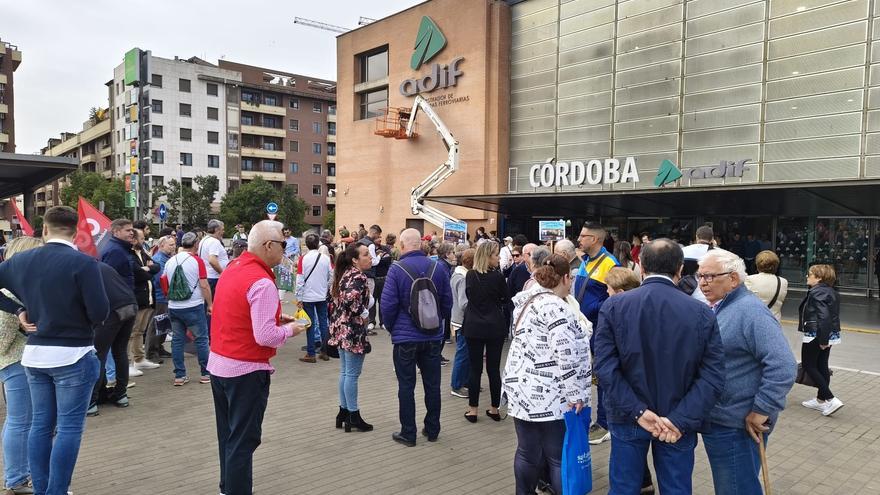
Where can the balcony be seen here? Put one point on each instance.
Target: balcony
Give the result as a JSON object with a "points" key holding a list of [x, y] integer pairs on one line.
{"points": [[331, 117], [261, 153], [105, 152], [40, 203], [269, 109], [4, 108], [107, 174], [331, 158], [269, 176], [263, 131], [331, 200], [89, 158], [331, 179], [4, 138], [331, 138]]}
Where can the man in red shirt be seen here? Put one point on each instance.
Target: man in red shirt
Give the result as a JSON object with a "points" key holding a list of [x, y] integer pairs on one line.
{"points": [[246, 329]]}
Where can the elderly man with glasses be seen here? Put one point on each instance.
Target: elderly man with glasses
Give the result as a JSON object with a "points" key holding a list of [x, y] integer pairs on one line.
{"points": [[759, 370]]}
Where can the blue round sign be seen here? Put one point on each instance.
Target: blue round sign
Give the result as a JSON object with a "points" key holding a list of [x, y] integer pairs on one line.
{"points": [[163, 212], [272, 208]]}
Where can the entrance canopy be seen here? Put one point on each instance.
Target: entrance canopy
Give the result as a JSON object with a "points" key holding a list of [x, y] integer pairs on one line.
{"points": [[854, 198], [20, 173]]}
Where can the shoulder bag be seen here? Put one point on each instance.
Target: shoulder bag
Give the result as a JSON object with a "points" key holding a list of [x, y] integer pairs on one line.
{"points": [[775, 296], [580, 294]]}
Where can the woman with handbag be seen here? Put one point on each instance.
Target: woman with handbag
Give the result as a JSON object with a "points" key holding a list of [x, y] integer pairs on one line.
{"points": [[485, 326], [766, 284], [546, 330], [819, 322], [349, 315]]}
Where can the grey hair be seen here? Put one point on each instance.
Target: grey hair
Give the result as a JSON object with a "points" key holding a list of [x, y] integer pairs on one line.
{"points": [[567, 247], [213, 225], [262, 232], [729, 262], [539, 256]]}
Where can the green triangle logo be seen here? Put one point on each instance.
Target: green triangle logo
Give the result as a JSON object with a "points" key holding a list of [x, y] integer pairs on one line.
{"points": [[667, 174], [429, 42]]}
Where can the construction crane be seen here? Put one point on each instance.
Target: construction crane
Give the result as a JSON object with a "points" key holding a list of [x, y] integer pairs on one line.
{"points": [[320, 25], [363, 21], [443, 172]]}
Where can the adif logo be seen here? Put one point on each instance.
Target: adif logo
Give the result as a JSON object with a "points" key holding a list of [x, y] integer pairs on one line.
{"points": [[429, 42], [669, 173]]}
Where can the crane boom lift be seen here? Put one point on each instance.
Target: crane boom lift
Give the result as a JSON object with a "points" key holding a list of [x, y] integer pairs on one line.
{"points": [[320, 25], [443, 172]]}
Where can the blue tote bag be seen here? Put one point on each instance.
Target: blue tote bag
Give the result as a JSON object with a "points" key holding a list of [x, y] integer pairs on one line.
{"points": [[577, 464]]}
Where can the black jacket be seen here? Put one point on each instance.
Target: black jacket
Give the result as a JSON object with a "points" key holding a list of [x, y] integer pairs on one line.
{"points": [[123, 303], [142, 278], [484, 317], [819, 314]]}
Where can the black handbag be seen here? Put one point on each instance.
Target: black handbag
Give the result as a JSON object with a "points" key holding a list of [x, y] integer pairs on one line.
{"points": [[804, 378]]}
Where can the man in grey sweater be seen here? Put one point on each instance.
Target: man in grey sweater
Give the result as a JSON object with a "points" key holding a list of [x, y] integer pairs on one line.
{"points": [[759, 371]]}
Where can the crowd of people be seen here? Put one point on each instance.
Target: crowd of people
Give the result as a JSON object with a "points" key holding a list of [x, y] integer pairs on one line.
{"points": [[578, 315]]}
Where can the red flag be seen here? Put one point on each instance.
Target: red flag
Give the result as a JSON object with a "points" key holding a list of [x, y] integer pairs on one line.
{"points": [[25, 226], [91, 230]]}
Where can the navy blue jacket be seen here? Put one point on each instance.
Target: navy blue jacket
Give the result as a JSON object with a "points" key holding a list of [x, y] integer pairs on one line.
{"points": [[117, 254], [62, 290], [394, 305], [658, 348]]}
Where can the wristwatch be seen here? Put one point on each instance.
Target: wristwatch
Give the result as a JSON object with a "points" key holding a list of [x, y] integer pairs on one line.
{"points": [[20, 310]]}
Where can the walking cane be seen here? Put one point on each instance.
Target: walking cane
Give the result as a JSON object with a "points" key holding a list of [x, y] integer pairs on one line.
{"points": [[764, 471]]}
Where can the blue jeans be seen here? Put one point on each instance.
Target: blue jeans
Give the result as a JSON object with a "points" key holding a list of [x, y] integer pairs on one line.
{"points": [[350, 366], [17, 424], [110, 367], [425, 355], [735, 461], [539, 445], [673, 462], [196, 321], [319, 331], [461, 363], [60, 397]]}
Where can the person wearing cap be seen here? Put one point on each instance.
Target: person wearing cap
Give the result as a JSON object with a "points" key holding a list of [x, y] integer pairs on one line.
{"points": [[506, 253], [240, 234], [189, 314]]}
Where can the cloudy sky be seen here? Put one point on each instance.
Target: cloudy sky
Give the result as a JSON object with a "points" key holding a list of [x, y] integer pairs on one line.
{"points": [[69, 49]]}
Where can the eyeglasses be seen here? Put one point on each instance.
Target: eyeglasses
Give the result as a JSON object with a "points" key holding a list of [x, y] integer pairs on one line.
{"points": [[283, 243], [709, 277]]}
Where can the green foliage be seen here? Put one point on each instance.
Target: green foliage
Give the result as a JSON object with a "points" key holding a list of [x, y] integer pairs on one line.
{"points": [[95, 188], [247, 205], [38, 225], [330, 221], [196, 202]]}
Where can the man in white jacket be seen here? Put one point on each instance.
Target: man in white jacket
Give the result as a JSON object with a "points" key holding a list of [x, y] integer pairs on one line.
{"points": [[313, 276]]}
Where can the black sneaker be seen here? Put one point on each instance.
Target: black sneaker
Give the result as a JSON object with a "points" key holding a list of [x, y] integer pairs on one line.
{"points": [[163, 353], [430, 438], [397, 437]]}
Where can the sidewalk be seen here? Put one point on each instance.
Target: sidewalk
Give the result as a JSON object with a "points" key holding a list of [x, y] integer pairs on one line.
{"points": [[165, 442]]}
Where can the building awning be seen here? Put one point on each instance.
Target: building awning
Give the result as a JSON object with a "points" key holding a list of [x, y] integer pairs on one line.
{"points": [[20, 173], [854, 198]]}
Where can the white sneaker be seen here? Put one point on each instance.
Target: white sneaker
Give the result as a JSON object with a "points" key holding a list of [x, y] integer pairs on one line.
{"points": [[168, 339], [371, 326], [132, 371], [146, 364], [813, 404], [831, 406]]}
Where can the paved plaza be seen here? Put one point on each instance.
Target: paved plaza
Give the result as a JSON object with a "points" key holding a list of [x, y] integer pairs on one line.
{"points": [[165, 442]]}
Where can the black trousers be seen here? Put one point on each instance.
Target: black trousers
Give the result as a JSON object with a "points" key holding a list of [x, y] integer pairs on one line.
{"points": [[239, 406], [376, 317], [815, 363], [155, 341], [112, 337], [492, 348]]}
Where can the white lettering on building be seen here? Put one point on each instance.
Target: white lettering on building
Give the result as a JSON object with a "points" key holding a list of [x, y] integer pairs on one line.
{"points": [[609, 171]]}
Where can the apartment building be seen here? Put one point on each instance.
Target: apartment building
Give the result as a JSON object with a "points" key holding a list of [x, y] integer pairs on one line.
{"points": [[10, 58], [287, 133]]}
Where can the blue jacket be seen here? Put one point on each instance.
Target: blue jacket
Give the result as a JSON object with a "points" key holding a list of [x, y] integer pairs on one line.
{"points": [[658, 348], [759, 366], [117, 254], [160, 259], [62, 290], [394, 306], [595, 292]]}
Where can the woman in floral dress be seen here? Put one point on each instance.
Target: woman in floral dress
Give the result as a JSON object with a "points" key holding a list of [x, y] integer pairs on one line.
{"points": [[349, 315]]}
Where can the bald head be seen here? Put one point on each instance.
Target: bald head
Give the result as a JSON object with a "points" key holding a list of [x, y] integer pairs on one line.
{"points": [[410, 240]]}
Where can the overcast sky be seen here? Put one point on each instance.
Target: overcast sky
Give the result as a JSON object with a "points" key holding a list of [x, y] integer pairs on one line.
{"points": [[69, 49]]}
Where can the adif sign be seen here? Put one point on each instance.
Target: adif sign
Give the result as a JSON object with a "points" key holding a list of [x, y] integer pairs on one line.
{"points": [[609, 171]]}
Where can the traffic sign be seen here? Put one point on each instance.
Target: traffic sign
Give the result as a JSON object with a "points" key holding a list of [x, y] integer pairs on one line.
{"points": [[163, 212], [272, 208]]}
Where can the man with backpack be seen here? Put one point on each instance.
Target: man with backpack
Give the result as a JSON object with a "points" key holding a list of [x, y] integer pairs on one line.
{"points": [[416, 299], [185, 279]]}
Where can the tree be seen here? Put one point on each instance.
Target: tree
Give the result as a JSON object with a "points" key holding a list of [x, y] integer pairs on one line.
{"points": [[247, 205], [330, 221], [196, 203], [95, 188]]}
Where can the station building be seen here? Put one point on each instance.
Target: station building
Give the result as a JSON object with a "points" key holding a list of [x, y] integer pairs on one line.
{"points": [[761, 117]]}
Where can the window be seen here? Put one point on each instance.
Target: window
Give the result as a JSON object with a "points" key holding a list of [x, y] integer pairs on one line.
{"points": [[270, 100], [213, 161], [331, 128], [316, 148], [316, 211], [157, 106], [213, 137], [270, 145], [294, 125], [157, 156], [316, 127], [212, 89], [316, 107], [294, 103], [295, 188], [156, 131], [156, 80], [294, 167], [294, 146], [316, 190], [247, 164], [247, 120], [269, 122], [213, 113], [249, 97], [331, 170], [316, 168], [373, 102], [158, 180], [186, 159], [187, 182], [331, 149], [271, 166], [184, 85], [232, 140], [331, 109], [186, 134], [374, 66], [186, 110]]}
